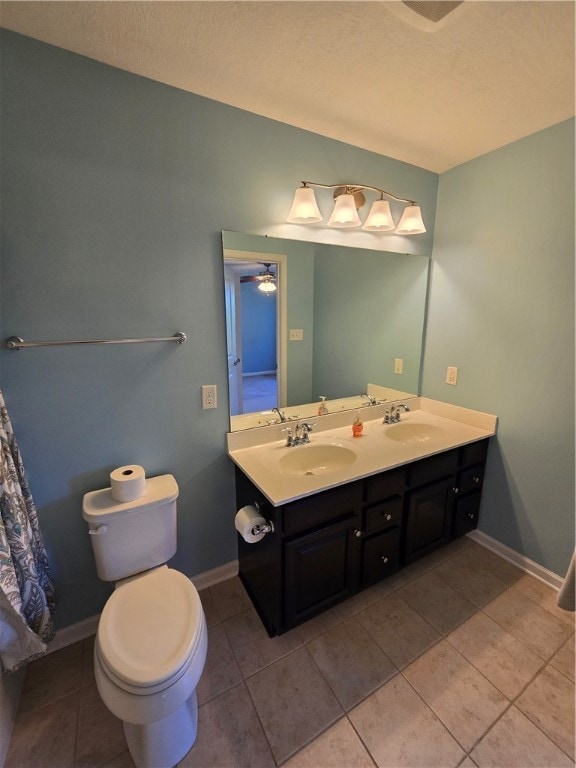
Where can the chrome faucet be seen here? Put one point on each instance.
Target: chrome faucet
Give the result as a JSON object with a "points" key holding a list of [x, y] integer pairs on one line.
{"points": [[372, 400], [392, 415], [281, 415], [298, 435]]}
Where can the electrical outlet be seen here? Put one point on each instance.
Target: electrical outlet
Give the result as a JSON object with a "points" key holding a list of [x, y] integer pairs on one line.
{"points": [[398, 365], [451, 375], [209, 396], [296, 334]]}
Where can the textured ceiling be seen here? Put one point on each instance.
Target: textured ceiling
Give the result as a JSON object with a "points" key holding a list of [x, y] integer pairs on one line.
{"points": [[372, 74]]}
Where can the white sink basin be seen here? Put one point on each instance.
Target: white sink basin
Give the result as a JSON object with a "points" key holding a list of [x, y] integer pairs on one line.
{"points": [[412, 432], [318, 459]]}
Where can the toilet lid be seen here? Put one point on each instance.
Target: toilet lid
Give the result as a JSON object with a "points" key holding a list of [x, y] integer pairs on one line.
{"points": [[149, 627]]}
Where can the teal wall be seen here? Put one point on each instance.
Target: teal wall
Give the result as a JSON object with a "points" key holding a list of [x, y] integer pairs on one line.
{"points": [[502, 310], [115, 190]]}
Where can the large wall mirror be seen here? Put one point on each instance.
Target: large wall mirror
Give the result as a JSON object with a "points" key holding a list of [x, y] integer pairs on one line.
{"points": [[337, 319]]}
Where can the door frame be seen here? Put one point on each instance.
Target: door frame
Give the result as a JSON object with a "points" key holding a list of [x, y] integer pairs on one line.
{"points": [[281, 262]]}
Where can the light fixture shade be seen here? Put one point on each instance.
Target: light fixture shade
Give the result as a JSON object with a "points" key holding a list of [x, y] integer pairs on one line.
{"points": [[267, 286], [344, 213], [380, 217], [411, 222], [304, 208]]}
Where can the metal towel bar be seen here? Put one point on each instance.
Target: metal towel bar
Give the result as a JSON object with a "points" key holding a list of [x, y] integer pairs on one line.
{"points": [[15, 342]]}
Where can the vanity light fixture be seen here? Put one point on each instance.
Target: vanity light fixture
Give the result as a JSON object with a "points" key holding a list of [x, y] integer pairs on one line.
{"points": [[348, 199]]}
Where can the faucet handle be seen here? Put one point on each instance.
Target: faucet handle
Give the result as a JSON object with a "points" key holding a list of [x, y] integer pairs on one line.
{"points": [[291, 435]]}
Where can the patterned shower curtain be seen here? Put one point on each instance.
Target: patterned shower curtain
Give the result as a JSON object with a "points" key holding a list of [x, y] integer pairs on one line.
{"points": [[26, 591]]}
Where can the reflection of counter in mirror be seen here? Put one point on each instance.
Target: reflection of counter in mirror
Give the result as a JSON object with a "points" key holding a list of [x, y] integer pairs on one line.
{"points": [[344, 317]]}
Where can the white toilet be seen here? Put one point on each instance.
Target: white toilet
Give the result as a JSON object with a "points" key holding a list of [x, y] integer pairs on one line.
{"points": [[151, 642]]}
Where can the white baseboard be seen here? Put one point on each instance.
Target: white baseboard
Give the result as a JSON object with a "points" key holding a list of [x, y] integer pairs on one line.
{"points": [[521, 561], [216, 575], [74, 633], [87, 627]]}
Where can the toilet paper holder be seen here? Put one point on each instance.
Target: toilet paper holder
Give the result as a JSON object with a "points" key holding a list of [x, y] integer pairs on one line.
{"points": [[268, 527]]}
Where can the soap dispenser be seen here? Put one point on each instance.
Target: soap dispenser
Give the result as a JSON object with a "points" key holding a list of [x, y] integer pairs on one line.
{"points": [[322, 410], [357, 426]]}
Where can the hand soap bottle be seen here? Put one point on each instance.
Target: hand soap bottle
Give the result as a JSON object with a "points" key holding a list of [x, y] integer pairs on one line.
{"points": [[322, 410], [357, 426]]}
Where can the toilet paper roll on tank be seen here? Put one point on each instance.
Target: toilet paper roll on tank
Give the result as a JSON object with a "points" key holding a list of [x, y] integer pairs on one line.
{"points": [[245, 521], [128, 483]]}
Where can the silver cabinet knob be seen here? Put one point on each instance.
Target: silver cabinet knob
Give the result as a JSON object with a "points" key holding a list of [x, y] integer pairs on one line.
{"points": [[357, 533], [455, 490], [384, 559], [388, 517], [476, 479]]}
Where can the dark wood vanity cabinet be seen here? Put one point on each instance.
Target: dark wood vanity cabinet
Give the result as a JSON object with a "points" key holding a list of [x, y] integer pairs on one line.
{"points": [[320, 551], [428, 504], [468, 489], [328, 546]]}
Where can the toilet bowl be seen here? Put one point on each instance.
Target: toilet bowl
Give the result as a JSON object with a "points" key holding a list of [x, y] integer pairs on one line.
{"points": [[149, 655], [151, 642]]}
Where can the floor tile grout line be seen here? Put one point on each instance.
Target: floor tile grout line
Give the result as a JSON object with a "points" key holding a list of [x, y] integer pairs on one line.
{"points": [[520, 640], [549, 736], [247, 688], [545, 662], [437, 717], [478, 609]]}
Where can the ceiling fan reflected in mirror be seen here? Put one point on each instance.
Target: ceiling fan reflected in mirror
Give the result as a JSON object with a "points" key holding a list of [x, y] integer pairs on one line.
{"points": [[266, 279]]}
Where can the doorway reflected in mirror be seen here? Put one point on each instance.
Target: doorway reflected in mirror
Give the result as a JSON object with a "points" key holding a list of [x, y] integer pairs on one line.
{"points": [[260, 393]]}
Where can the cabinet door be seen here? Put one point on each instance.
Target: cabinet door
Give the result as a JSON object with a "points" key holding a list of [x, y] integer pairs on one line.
{"points": [[428, 519], [321, 569], [380, 556]]}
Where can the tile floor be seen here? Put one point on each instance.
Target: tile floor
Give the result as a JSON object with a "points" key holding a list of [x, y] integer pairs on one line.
{"points": [[458, 660]]}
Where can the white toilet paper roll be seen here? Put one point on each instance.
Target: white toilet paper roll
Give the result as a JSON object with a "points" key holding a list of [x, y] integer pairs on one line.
{"points": [[246, 518], [128, 483]]}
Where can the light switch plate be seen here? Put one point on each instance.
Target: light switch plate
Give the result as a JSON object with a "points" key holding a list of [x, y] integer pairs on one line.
{"points": [[398, 365], [296, 334]]}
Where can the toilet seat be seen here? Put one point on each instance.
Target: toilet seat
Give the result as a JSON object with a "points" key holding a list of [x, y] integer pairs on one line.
{"points": [[149, 630]]}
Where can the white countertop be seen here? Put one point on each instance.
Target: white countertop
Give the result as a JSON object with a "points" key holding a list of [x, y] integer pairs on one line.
{"points": [[257, 451]]}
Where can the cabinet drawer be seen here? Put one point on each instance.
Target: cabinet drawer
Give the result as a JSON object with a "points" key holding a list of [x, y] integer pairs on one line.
{"points": [[380, 556], [383, 515], [342, 502], [386, 484], [471, 479], [433, 469], [466, 514], [475, 453]]}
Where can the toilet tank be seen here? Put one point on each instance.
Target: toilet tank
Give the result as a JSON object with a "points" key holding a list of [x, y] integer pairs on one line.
{"points": [[132, 536]]}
